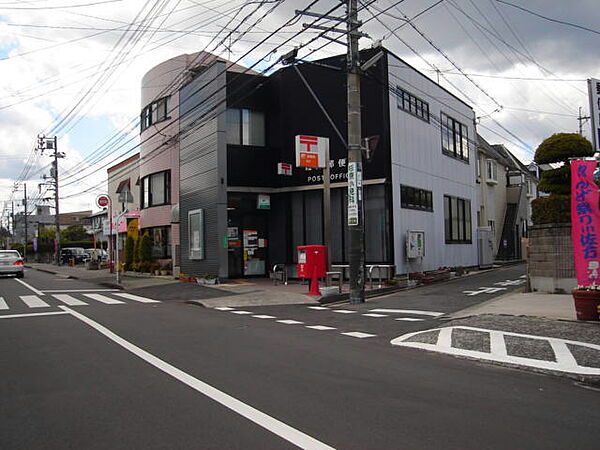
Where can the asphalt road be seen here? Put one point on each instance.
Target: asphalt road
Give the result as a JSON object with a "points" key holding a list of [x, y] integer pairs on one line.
{"points": [[174, 375]]}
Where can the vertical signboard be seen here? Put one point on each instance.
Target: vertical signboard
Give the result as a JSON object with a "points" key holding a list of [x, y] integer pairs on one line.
{"points": [[585, 222], [354, 192], [594, 91]]}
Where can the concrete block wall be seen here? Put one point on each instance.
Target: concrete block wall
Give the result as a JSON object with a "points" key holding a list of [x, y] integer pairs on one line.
{"points": [[550, 262]]}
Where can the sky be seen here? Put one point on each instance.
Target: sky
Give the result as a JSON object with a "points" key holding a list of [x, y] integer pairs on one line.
{"points": [[73, 69]]}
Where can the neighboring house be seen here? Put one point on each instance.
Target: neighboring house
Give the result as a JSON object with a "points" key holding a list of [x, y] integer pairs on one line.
{"points": [[123, 190], [159, 150], [239, 216], [39, 219], [98, 220], [65, 220], [507, 188]]}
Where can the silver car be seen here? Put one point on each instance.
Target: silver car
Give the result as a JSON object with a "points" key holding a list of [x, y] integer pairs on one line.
{"points": [[11, 263]]}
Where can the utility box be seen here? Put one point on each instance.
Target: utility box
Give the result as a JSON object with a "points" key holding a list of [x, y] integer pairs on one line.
{"points": [[312, 261]]}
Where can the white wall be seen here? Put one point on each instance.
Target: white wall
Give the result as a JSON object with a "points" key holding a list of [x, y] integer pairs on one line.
{"points": [[418, 161]]}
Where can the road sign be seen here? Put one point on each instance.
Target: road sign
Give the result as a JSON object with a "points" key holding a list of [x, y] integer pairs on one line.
{"points": [[102, 201]]}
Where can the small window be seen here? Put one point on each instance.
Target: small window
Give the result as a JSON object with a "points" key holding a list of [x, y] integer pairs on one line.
{"points": [[156, 189], [245, 127], [411, 104], [196, 234], [416, 198], [491, 171], [154, 113]]}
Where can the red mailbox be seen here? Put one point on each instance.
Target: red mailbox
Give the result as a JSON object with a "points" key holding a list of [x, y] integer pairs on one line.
{"points": [[312, 263]]}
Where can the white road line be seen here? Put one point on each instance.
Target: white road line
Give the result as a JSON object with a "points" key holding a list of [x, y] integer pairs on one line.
{"points": [[50, 291], [358, 334], [375, 315], [68, 300], [269, 423], [409, 319], [564, 359], [290, 322], [103, 299], [50, 313], [344, 311], [33, 301], [224, 308], [320, 327], [3, 304], [242, 312], [28, 286], [135, 298], [319, 308], [408, 311], [263, 316]]}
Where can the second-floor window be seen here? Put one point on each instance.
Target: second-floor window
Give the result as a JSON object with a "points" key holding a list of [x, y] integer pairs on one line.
{"points": [[491, 171], [156, 189], [415, 198], [155, 112], [412, 104], [245, 127], [455, 138]]}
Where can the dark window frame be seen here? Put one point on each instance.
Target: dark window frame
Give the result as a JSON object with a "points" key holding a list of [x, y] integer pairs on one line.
{"points": [[456, 144], [150, 113], [412, 104], [457, 220], [146, 189], [416, 198]]}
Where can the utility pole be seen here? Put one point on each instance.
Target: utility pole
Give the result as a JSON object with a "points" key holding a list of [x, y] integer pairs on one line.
{"points": [[25, 216], [581, 120], [45, 143], [356, 226]]}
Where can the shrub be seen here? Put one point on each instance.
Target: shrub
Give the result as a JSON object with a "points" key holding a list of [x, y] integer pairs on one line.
{"points": [[553, 209], [556, 181], [128, 252], [145, 249], [562, 146]]}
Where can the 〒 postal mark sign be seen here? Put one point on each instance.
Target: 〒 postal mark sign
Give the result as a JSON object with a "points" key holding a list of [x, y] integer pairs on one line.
{"points": [[311, 151]]}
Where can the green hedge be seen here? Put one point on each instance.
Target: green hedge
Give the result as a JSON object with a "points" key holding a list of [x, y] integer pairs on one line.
{"points": [[556, 181], [555, 209]]}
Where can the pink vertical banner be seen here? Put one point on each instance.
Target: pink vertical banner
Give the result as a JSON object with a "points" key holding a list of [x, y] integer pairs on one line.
{"points": [[585, 221]]}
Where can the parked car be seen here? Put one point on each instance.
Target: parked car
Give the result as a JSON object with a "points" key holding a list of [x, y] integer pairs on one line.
{"points": [[11, 263], [96, 254], [76, 254]]}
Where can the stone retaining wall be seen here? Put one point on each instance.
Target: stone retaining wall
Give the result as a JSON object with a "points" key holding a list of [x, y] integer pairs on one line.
{"points": [[550, 262]]}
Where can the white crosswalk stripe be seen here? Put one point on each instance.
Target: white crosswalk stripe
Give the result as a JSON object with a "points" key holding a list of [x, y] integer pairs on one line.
{"points": [[68, 300], [135, 298], [3, 304], [103, 299], [33, 301]]}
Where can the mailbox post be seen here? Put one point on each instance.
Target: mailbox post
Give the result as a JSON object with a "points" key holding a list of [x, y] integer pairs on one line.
{"points": [[312, 263]]}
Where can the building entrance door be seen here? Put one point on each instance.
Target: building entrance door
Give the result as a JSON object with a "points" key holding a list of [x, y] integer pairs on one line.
{"points": [[254, 245]]}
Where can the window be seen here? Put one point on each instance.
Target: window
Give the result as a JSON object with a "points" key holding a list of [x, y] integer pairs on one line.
{"points": [[196, 234], [161, 241], [530, 188], [491, 171], [455, 138], [457, 220], [415, 198], [155, 112], [245, 127], [156, 189], [412, 104]]}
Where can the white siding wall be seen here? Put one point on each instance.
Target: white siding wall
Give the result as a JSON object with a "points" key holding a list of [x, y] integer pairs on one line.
{"points": [[418, 161]]}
